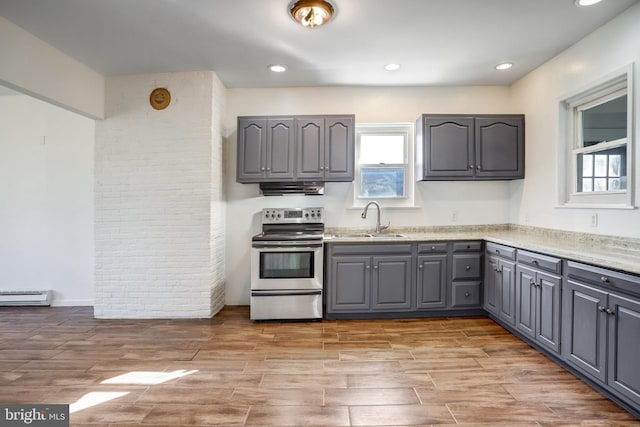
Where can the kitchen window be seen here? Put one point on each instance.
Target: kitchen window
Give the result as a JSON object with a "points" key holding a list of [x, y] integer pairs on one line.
{"points": [[384, 170], [599, 145]]}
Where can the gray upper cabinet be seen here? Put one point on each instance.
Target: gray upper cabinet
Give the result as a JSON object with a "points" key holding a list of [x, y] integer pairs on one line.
{"points": [[265, 149], [325, 148], [474, 147], [295, 148]]}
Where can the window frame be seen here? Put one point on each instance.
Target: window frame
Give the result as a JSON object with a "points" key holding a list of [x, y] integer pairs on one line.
{"points": [[407, 131], [571, 107]]}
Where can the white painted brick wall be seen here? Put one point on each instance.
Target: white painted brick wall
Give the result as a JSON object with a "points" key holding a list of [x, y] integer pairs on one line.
{"points": [[159, 201]]}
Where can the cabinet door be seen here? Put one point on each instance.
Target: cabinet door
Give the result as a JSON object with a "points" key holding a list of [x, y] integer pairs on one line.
{"points": [[548, 310], [310, 156], [499, 147], [492, 280], [448, 147], [526, 291], [391, 288], [507, 289], [252, 141], [624, 346], [339, 149], [584, 326], [350, 283], [432, 281], [280, 149]]}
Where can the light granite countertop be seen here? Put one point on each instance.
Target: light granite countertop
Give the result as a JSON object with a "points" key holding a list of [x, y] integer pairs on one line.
{"points": [[614, 252]]}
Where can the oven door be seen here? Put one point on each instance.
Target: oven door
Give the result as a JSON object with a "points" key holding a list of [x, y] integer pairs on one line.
{"points": [[286, 265]]}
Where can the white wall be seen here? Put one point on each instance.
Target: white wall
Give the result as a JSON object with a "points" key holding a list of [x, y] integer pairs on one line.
{"points": [[475, 202], [46, 200], [33, 67], [534, 201], [157, 193]]}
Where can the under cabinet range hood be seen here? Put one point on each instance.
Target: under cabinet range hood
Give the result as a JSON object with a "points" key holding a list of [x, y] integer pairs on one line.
{"points": [[285, 188]]}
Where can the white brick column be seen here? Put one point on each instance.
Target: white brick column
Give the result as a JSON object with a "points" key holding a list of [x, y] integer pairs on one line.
{"points": [[159, 206]]}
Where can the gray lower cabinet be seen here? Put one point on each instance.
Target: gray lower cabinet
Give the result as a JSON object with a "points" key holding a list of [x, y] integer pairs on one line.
{"points": [[416, 278], [538, 296], [369, 278], [295, 148], [470, 147], [500, 282], [601, 328]]}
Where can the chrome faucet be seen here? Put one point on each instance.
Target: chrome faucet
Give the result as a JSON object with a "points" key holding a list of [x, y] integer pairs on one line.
{"points": [[379, 227]]}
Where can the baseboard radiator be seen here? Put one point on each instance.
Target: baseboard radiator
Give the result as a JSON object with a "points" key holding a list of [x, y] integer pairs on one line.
{"points": [[25, 298]]}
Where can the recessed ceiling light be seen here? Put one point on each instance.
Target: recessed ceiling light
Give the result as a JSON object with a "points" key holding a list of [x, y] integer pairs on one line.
{"points": [[277, 68], [504, 66], [587, 2], [392, 67]]}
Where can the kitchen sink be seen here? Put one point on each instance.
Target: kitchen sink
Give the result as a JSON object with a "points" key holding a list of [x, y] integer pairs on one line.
{"points": [[370, 236]]}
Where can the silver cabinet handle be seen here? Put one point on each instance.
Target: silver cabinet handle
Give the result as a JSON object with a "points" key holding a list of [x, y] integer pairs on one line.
{"points": [[604, 279], [420, 266], [602, 309], [468, 267], [466, 294], [610, 312], [375, 267]]}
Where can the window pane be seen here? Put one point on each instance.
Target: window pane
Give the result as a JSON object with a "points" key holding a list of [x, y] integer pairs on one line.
{"points": [[614, 165], [587, 185], [600, 184], [615, 184], [377, 149], [600, 168], [382, 182], [587, 165], [605, 122]]}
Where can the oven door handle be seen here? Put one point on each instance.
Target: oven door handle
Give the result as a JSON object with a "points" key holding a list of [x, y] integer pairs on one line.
{"points": [[286, 244], [284, 293]]}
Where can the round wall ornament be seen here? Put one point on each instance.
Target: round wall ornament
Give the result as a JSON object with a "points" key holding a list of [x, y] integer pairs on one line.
{"points": [[160, 98]]}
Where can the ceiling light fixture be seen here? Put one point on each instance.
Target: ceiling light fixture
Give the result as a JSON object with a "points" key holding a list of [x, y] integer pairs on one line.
{"points": [[392, 67], [311, 13], [277, 68], [587, 2], [504, 66]]}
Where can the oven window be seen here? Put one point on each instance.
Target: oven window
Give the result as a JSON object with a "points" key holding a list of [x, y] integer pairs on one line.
{"points": [[286, 265]]}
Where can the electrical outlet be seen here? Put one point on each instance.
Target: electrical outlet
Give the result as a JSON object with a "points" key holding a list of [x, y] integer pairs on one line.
{"points": [[454, 216], [594, 220]]}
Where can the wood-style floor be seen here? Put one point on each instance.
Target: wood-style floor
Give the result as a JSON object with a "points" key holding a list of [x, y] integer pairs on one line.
{"points": [[229, 371]]}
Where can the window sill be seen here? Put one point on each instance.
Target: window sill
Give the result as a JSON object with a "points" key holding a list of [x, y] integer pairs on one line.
{"points": [[595, 206]]}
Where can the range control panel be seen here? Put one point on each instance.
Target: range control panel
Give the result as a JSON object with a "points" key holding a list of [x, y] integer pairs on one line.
{"points": [[292, 215]]}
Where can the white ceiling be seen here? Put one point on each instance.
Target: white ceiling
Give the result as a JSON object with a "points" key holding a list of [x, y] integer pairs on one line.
{"points": [[437, 42]]}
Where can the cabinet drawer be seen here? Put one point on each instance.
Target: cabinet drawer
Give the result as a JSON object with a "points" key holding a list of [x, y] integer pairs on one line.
{"points": [[602, 276], [370, 248], [465, 294], [467, 246], [501, 250], [467, 266], [432, 247], [542, 262]]}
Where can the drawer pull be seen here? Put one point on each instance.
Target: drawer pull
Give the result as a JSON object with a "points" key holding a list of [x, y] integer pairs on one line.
{"points": [[604, 279], [602, 309], [497, 251], [609, 312], [535, 262], [433, 248], [466, 294], [468, 267]]}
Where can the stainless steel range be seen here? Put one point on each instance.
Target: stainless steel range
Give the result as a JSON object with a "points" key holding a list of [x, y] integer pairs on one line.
{"points": [[286, 265]]}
